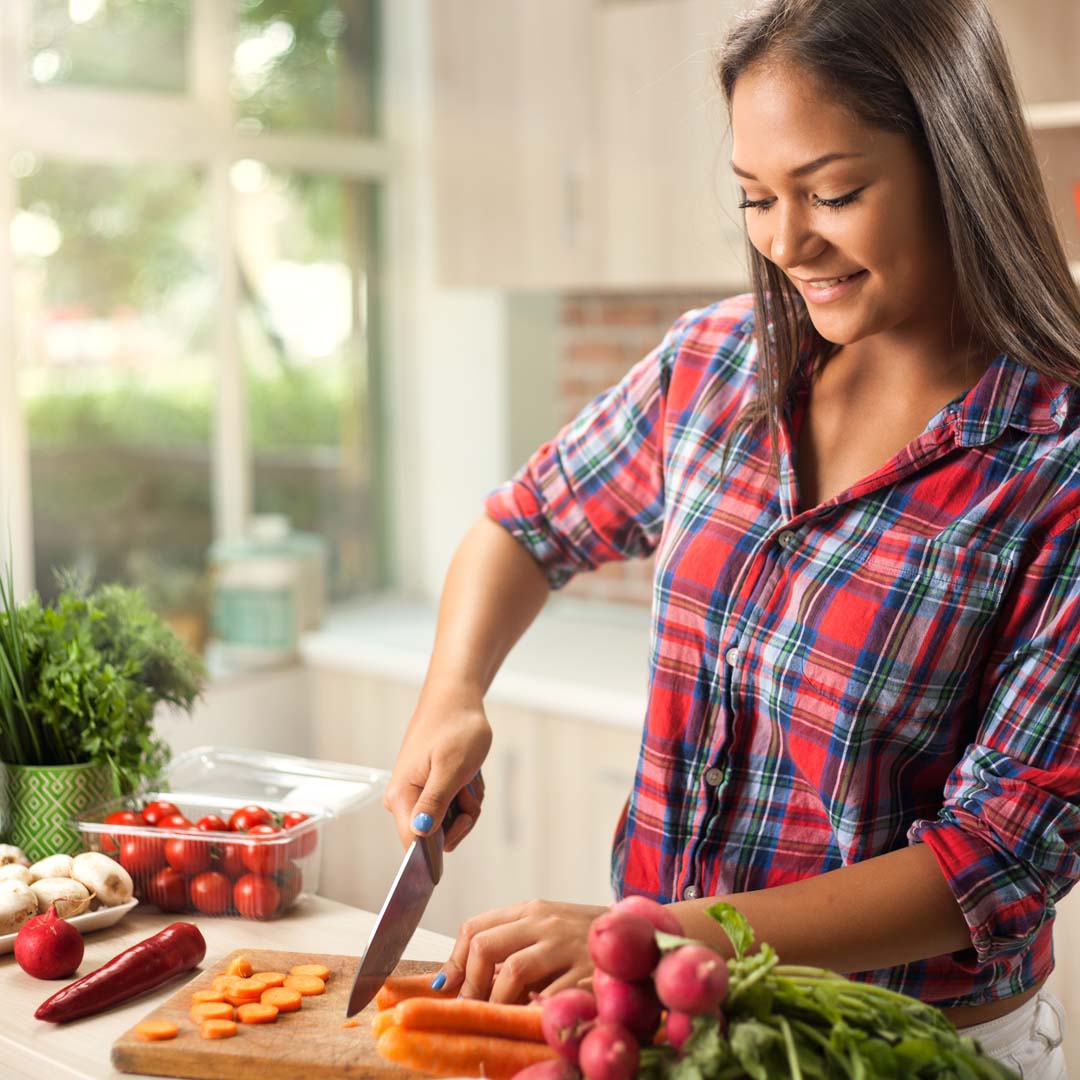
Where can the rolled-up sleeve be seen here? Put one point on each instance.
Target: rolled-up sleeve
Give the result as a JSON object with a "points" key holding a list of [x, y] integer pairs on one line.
{"points": [[595, 493], [1008, 835]]}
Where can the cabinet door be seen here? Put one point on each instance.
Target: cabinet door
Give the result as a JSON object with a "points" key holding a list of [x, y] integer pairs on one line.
{"points": [[670, 216], [514, 123], [588, 772]]}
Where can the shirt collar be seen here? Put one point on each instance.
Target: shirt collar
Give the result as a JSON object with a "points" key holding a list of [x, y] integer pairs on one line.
{"points": [[1009, 394]]}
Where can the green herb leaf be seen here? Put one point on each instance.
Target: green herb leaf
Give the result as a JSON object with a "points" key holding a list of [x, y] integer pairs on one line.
{"points": [[735, 926]]}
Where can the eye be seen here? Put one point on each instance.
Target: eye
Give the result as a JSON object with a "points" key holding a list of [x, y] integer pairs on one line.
{"points": [[761, 205], [839, 202]]}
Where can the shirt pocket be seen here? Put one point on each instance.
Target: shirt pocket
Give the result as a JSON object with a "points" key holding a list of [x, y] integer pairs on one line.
{"points": [[903, 631]]}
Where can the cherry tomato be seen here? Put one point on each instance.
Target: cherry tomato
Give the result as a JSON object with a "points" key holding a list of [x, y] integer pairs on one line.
{"points": [[212, 823], [263, 856], [211, 893], [230, 860], [247, 817], [153, 812], [168, 889], [289, 882], [175, 821], [307, 841], [256, 897], [188, 856], [110, 843], [141, 855]]}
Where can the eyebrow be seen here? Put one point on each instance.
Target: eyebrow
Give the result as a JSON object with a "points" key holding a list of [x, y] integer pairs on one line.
{"points": [[801, 170]]}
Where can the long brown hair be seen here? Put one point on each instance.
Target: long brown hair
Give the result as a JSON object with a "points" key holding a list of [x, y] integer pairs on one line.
{"points": [[936, 71]]}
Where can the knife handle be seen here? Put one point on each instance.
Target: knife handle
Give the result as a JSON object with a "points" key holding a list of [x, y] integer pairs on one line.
{"points": [[432, 843]]}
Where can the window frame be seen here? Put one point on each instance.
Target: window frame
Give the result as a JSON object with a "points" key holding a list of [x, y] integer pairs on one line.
{"points": [[196, 129]]}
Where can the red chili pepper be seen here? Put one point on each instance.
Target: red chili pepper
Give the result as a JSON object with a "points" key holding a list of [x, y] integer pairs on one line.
{"points": [[178, 948]]}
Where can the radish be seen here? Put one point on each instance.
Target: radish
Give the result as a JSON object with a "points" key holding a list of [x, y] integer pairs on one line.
{"points": [[47, 947], [692, 979], [623, 945], [661, 917], [556, 1069], [566, 1018], [609, 1052], [632, 1004], [678, 1027]]}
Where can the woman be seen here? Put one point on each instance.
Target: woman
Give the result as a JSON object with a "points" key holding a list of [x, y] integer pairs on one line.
{"points": [[862, 487]]}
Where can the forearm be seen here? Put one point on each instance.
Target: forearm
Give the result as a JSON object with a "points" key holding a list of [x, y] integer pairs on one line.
{"points": [[889, 910], [493, 591]]}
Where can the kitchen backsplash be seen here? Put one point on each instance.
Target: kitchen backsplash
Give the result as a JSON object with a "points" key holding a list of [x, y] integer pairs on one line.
{"points": [[600, 336]]}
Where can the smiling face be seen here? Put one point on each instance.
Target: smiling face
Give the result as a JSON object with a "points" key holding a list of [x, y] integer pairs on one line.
{"points": [[850, 213]]}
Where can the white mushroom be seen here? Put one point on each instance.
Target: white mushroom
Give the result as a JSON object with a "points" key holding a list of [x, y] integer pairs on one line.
{"points": [[103, 876], [17, 904], [53, 866], [70, 897], [9, 853], [16, 872]]}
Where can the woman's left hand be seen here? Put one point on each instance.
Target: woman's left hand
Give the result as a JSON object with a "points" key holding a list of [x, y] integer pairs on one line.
{"points": [[505, 954]]}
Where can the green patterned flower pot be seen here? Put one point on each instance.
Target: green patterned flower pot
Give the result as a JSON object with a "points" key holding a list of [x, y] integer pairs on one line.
{"points": [[41, 800]]}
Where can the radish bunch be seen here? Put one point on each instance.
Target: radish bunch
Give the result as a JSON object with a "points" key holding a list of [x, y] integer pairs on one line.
{"points": [[601, 1034]]}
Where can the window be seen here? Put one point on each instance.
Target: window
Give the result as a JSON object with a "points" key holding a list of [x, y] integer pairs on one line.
{"points": [[192, 272]]}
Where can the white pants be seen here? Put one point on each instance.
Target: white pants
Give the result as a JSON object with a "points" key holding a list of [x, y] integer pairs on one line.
{"points": [[1027, 1040]]}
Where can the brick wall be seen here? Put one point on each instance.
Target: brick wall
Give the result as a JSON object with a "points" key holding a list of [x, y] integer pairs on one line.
{"points": [[600, 336]]}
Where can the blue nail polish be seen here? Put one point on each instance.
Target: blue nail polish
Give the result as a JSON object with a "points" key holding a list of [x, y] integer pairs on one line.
{"points": [[440, 980], [422, 822]]}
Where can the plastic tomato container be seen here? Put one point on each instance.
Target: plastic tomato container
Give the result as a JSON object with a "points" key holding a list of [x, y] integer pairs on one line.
{"points": [[233, 872]]}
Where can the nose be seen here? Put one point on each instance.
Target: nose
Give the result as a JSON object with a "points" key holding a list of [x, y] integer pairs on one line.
{"points": [[794, 242]]}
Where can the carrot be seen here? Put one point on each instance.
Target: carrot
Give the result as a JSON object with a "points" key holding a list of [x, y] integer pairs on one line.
{"points": [[399, 987], [445, 1053], [211, 1010], [154, 1030], [254, 1012], [201, 997], [308, 985], [381, 1021], [225, 982], [470, 1017], [351, 1023], [217, 1029], [270, 978], [320, 971], [282, 998], [239, 965]]}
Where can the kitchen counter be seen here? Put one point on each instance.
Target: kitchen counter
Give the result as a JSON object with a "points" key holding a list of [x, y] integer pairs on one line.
{"points": [[32, 1049]]}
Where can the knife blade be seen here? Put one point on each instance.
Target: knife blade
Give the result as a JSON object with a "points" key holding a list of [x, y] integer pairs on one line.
{"points": [[400, 914]]}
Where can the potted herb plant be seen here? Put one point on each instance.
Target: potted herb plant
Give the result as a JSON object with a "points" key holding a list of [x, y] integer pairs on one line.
{"points": [[79, 682]]}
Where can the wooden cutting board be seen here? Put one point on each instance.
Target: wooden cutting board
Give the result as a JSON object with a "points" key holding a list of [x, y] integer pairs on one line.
{"points": [[299, 1045]]}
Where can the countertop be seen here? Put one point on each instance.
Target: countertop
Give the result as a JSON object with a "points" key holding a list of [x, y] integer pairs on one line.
{"points": [[32, 1049], [579, 658]]}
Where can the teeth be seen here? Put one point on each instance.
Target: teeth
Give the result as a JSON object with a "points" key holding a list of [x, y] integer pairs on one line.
{"points": [[828, 283]]}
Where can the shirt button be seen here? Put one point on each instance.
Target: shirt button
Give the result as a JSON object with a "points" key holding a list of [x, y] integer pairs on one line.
{"points": [[713, 777], [732, 656], [691, 892], [787, 540]]}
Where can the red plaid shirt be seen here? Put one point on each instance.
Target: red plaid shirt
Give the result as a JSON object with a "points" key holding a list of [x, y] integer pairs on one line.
{"points": [[897, 665]]}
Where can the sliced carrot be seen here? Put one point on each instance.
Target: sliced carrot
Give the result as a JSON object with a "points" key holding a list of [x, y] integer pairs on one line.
{"points": [[381, 1021], [351, 1023], [308, 985], [320, 971], [471, 1017], [399, 987], [154, 1030], [225, 982], [446, 1053], [239, 965], [282, 998], [211, 1010], [217, 1029], [270, 978], [254, 1012], [201, 997]]}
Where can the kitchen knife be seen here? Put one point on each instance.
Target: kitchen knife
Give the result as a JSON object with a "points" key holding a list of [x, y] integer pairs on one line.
{"points": [[401, 912]]}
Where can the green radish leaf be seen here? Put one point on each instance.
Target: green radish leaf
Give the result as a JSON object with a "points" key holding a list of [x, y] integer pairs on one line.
{"points": [[667, 942], [735, 926]]}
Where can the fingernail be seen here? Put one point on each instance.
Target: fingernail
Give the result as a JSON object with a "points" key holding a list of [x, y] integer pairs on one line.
{"points": [[422, 822], [440, 980]]}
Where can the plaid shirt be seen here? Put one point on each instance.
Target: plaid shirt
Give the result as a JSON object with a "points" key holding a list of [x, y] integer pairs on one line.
{"points": [[900, 664]]}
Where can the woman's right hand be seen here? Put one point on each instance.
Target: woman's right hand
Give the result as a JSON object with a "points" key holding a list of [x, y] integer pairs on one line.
{"points": [[446, 742]]}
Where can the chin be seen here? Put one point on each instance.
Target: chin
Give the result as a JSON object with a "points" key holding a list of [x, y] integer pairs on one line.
{"points": [[842, 331]]}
